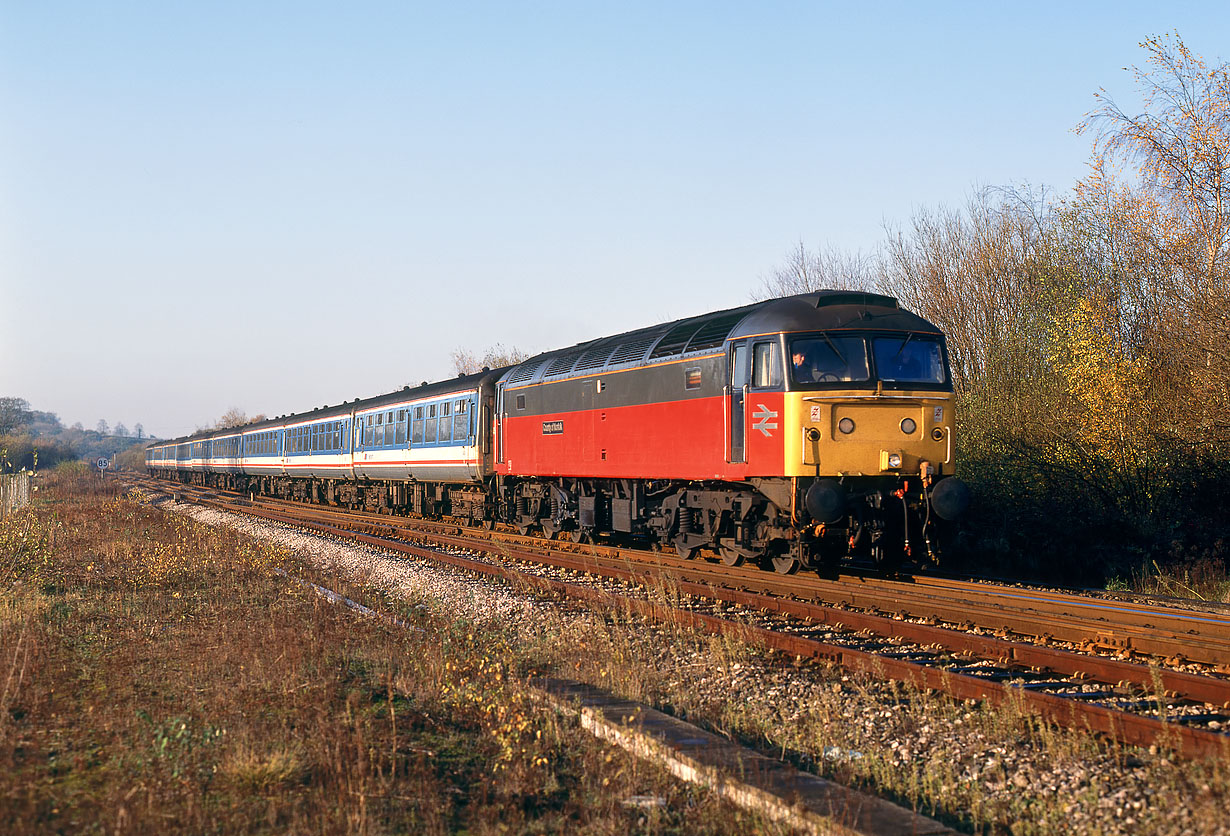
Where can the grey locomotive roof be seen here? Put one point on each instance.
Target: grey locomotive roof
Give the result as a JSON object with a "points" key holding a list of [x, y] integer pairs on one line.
{"points": [[831, 310], [823, 310]]}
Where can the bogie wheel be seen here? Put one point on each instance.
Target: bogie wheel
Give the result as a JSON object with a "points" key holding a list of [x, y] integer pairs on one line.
{"points": [[579, 535], [785, 565], [684, 551], [731, 557]]}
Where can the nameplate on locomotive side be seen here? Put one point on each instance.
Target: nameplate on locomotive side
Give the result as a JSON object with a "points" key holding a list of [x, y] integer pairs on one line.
{"points": [[552, 427]]}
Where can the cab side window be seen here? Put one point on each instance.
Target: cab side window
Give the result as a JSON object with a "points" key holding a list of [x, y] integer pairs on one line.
{"points": [[766, 366]]}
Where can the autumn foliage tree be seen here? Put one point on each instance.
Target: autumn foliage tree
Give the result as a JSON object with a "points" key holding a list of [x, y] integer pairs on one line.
{"points": [[1175, 220], [1090, 333]]}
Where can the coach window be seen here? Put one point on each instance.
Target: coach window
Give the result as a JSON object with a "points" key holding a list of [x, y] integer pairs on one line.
{"points": [[429, 431], [766, 367], [446, 422], [401, 426], [691, 379], [461, 424]]}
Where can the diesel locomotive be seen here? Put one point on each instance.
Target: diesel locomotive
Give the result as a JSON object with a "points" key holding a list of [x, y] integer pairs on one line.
{"points": [[794, 432]]}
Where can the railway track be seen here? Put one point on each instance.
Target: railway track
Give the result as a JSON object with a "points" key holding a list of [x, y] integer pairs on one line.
{"points": [[1141, 673]]}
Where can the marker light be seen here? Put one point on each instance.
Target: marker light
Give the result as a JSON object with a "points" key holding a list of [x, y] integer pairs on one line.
{"points": [[890, 461], [908, 426], [846, 425]]}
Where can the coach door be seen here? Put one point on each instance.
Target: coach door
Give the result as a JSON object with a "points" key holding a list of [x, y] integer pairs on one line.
{"points": [[736, 392]]}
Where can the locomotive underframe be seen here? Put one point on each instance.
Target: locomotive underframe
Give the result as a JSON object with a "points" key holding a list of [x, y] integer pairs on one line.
{"points": [[884, 519]]}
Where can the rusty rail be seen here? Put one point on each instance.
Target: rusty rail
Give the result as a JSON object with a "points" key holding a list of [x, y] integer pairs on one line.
{"points": [[1126, 727]]}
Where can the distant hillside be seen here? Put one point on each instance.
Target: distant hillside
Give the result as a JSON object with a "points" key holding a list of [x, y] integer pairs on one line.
{"points": [[30, 438]]}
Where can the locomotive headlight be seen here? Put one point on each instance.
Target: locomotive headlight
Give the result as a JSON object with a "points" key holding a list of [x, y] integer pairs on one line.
{"points": [[846, 425], [890, 461], [908, 426]]}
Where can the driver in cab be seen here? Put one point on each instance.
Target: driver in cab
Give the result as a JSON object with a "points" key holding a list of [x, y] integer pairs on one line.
{"points": [[810, 369]]}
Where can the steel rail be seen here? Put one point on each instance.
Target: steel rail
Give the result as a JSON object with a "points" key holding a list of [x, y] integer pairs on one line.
{"points": [[1129, 728], [1175, 635], [1172, 634]]}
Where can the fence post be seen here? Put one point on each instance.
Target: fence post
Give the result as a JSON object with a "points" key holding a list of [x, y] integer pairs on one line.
{"points": [[14, 492]]}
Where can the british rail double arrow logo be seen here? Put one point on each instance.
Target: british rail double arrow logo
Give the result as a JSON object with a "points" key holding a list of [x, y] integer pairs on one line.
{"points": [[762, 416]]}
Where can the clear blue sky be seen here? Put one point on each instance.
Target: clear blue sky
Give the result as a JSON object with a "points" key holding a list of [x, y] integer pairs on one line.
{"points": [[279, 205]]}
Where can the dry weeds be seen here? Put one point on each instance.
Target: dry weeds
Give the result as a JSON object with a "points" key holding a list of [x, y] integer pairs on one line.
{"points": [[157, 677]]}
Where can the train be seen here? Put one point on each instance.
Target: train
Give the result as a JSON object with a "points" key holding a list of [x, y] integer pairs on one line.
{"points": [[796, 433]]}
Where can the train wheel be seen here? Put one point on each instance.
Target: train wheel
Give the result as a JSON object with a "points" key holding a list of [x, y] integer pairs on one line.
{"points": [[785, 565], [683, 549], [579, 535], [731, 557]]}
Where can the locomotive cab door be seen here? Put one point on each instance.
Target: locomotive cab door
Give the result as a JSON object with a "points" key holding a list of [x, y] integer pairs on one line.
{"points": [[736, 393]]}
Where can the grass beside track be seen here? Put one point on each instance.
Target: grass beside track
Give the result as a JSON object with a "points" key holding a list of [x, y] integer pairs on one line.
{"points": [[157, 677]]}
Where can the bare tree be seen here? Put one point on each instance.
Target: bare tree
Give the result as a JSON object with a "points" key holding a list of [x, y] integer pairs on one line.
{"points": [[140, 430], [805, 271], [233, 417], [495, 357], [121, 430], [979, 274], [102, 427]]}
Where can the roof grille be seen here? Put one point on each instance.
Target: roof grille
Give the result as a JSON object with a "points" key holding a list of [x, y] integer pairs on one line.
{"points": [[632, 352], [595, 358], [675, 339], [714, 332], [524, 372], [562, 364]]}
